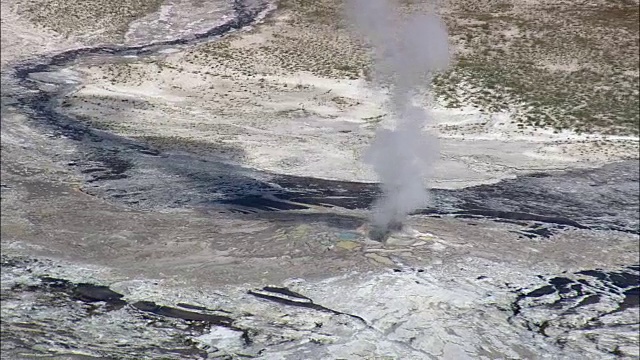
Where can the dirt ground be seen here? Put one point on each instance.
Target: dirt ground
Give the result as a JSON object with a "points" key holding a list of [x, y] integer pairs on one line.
{"points": [[191, 173]]}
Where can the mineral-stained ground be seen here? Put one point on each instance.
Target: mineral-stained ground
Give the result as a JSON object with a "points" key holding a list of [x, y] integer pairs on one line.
{"points": [[182, 179]]}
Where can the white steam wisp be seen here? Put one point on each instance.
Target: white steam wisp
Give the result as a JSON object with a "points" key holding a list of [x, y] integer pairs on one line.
{"points": [[408, 51]]}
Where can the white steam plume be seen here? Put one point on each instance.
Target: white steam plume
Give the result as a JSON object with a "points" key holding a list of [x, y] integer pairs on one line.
{"points": [[408, 51]]}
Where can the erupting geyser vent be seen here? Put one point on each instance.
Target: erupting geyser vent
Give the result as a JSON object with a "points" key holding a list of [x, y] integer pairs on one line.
{"points": [[382, 233]]}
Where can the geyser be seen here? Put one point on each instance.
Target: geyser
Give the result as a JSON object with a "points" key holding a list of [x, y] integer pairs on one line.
{"points": [[408, 50]]}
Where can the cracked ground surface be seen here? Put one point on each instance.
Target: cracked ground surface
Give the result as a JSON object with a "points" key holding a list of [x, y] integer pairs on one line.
{"points": [[203, 197]]}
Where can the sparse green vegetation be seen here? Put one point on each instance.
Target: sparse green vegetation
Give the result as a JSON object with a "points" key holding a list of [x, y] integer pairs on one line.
{"points": [[311, 39], [108, 19], [569, 66], [563, 65], [557, 65], [326, 12]]}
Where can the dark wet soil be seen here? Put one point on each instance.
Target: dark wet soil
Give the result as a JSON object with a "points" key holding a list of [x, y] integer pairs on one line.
{"points": [[196, 320], [542, 205], [564, 295], [98, 300], [294, 299]]}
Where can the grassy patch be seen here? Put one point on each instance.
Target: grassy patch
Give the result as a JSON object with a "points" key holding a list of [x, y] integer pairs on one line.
{"points": [[568, 66], [109, 18], [561, 65]]}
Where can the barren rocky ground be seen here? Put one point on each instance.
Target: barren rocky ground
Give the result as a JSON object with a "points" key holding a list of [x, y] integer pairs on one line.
{"points": [[183, 179]]}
